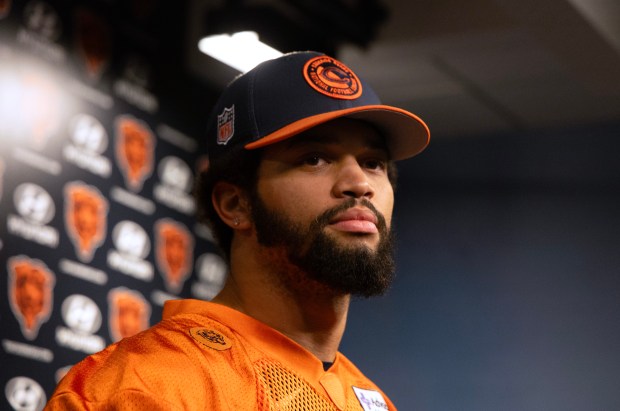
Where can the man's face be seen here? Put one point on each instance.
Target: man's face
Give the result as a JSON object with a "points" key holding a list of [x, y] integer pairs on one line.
{"points": [[325, 200]]}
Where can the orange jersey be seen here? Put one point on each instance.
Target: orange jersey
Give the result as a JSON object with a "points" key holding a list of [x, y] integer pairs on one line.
{"points": [[205, 356]]}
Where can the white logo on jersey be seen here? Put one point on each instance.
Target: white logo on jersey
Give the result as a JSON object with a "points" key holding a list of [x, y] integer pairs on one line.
{"points": [[370, 400]]}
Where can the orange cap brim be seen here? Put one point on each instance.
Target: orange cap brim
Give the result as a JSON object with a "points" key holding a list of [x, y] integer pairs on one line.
{"points": [[406, 135]]}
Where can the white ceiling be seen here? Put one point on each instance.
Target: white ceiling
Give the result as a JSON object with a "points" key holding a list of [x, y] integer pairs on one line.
{"points": [[486, 66]]}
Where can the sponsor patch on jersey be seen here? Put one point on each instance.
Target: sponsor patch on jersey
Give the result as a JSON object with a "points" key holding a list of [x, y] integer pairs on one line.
{"points": [[370, 400], [226, 125], [332, 78], [210, 338]]}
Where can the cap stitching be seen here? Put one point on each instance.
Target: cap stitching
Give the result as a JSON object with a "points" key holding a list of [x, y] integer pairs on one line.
{"points": [[253, 121]]}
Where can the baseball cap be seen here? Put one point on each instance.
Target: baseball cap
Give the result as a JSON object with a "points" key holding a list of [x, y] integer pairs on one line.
{"points": [[283, 97]]}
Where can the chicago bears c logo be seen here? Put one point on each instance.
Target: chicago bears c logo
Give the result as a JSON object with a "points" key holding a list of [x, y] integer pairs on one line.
{"points": [[129, 313], [330, 77], [30, 293], [174, 253], [86, 213], [135, 146]]}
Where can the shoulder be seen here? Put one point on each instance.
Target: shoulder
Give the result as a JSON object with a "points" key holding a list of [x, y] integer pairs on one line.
{"points": [[183, 356], [363, 387]]}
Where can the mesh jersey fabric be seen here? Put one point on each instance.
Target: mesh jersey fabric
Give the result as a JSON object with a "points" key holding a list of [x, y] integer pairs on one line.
{"points": [[205, 356]]}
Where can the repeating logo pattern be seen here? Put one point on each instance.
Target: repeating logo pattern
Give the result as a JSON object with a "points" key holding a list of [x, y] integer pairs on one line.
{"points": [[85, 218], [5, 8], [135, 146], [34, 204], [30, 287], [93, 42], [174, 253], [83, 318], [131, 247], [176, 184], [88, 143], [25, 394], [35, 209], [77, 137], [129, 313], [211, 270]]}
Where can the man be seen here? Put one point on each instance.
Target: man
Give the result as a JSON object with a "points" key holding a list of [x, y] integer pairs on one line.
{"points": [[299, 194]]}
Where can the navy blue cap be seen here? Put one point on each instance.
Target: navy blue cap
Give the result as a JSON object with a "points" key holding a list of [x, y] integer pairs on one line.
{"points": [[283, 97]]}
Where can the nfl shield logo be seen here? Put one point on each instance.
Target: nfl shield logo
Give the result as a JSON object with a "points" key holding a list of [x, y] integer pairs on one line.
{"points": [[225, 125]]}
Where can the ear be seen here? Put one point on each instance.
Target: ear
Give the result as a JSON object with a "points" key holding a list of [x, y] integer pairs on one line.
{"points": [[231, 204]]}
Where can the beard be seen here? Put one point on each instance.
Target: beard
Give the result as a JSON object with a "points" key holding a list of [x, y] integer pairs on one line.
{"points": [[356, 270]]}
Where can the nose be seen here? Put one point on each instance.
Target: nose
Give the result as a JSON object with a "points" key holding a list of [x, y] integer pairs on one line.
{"points": [[352, 181]]}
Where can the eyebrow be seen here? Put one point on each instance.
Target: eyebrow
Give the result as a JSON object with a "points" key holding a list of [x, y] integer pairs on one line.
{"points": [[306, 139]]}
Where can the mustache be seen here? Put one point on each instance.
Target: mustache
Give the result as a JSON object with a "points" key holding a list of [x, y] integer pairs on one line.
{"points": [[323, 219]]}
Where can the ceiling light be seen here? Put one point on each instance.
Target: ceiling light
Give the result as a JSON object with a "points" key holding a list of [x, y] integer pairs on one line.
{"points": [[242, 51]]}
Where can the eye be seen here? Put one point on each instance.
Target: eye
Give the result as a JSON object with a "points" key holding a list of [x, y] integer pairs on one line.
{"points": [[375, 164], [314, 160]]}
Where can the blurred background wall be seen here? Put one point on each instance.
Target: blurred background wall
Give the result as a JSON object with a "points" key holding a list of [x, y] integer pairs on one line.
{"points": [[507, 294]]}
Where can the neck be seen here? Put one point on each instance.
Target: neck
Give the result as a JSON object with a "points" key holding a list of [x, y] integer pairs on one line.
{"points": [[283, 297]]}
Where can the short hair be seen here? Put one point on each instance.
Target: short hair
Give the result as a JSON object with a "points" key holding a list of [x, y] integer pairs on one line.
{"points": [[238, 166]]}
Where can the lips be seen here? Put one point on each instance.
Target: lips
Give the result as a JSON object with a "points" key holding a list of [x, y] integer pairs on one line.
{"points": [[355, 220]]}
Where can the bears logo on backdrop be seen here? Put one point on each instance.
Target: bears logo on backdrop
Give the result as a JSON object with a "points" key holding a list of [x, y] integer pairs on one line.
{"points": [[135, 146], [129, 313], [86, 213], [174, 253], [5, 8], [93, 42], [31, 296]]}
